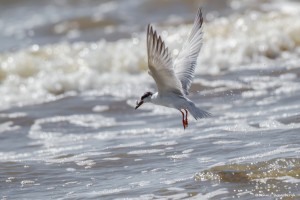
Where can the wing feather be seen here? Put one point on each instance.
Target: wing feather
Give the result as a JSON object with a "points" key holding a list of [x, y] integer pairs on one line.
{"points": [[186, 61], [160, 64]]}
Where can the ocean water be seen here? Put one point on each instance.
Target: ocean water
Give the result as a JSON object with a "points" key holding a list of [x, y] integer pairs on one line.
{"points": [[71, 71]]}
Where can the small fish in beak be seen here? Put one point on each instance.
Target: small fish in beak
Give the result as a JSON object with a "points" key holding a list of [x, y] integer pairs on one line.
{"points": [[138, 104]]}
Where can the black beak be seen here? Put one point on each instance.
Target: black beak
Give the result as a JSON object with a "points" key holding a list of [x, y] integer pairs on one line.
{"points": [[138, 104]]}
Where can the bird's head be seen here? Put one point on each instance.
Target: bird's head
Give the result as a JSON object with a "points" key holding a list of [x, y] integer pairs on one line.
{"points": [[144, 99]]}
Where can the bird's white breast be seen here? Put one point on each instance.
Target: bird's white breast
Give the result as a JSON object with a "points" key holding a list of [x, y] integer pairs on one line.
{"points": [[169, 100]]}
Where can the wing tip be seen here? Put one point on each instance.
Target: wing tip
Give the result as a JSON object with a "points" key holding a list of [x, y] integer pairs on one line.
{"points": [[155, 41], [199, 16], [149, 29], [204, 114]]}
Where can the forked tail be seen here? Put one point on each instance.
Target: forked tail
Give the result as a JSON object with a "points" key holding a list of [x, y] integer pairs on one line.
{"points": [[196, 112]]}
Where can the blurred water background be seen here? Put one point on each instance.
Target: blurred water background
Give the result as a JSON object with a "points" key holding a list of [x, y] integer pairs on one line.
{"points": [[71, 70]]}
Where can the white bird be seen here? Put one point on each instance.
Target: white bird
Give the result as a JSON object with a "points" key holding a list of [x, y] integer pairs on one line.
{"points": [[174, 80]]}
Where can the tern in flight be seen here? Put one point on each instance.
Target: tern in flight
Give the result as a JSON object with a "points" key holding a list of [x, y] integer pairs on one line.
{"points": [[173, 80]]}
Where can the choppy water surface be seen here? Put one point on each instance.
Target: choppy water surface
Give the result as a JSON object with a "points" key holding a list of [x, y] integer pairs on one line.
{"points": [[71, 71]]}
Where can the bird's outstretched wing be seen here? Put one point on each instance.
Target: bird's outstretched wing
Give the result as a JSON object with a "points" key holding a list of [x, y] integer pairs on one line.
{"points": [[186, 61], [160, 64]]}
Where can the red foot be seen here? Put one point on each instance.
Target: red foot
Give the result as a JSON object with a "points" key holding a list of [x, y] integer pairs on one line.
{"points": [[185, 122]]}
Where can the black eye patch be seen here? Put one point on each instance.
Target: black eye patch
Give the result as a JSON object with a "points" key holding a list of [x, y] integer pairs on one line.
{"points": [[147, 94]]}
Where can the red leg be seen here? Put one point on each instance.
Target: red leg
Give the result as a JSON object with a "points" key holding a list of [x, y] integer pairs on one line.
{"points": [[186, 118], [183, 121]]}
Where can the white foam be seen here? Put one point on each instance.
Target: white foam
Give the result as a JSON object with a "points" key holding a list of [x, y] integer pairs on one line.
{"points": [[7, 127], [134, 144], [109, 191], [13, 156], [271, 124], [188, 151], [227, 142], [211, 195], [71, 169], [89, 121], [100, 108], [83, 159], [140, 183], [86, 163], [164, 143], [12, 115], [213, 135], [240, 41], [179, 156], [111, 159], [252, 144], [27, 182], [145, 151], [241, 126], [173, 181], [205, 159], [289, 179], [278, 151]]}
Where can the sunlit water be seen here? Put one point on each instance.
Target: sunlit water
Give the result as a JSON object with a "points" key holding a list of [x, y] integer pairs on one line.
{"points": [[68, 127]]}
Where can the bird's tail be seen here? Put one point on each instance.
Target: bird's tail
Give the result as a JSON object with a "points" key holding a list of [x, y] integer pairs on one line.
{"points": [[196, 112]]}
